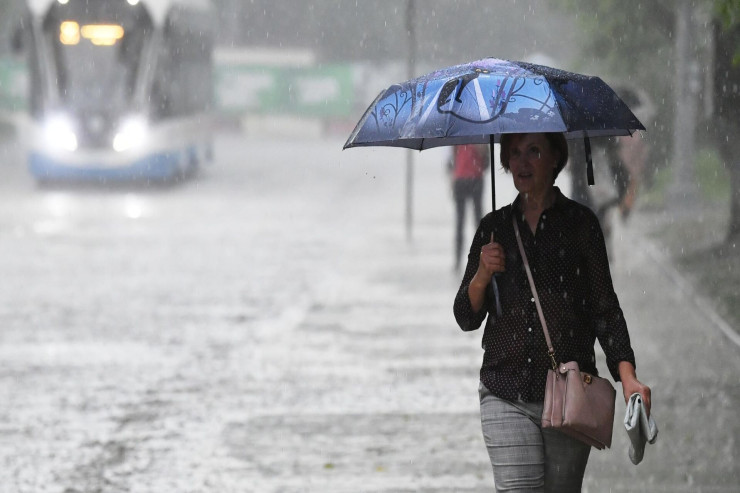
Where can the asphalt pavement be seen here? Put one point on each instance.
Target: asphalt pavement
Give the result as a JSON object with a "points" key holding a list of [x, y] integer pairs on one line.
{"points": [[270, 327]]}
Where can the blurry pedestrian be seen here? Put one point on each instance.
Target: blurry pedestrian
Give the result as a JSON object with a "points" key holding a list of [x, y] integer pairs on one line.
{"points": [[625, 158], [567, 255], [631, 154], [617, 183], [466, 167]]}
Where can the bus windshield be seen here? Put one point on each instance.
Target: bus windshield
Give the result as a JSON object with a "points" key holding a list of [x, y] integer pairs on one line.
{"points": [[97, 49]]}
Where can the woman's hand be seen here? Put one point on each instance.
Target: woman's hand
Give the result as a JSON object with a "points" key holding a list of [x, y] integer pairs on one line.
{"points": [[492, 260], [631, 385]]}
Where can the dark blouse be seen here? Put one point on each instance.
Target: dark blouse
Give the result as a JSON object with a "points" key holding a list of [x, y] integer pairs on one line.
{"points": [[570, 268]]}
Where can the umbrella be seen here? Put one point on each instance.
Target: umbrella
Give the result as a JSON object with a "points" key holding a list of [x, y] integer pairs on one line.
{"points": [[477, 102]]}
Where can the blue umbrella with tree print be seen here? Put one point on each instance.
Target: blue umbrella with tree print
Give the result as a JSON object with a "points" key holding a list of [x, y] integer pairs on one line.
{"points": [[477, 102]]}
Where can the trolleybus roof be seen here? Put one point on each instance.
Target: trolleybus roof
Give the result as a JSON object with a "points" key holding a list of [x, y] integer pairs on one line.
{"points": [[157, 8]]}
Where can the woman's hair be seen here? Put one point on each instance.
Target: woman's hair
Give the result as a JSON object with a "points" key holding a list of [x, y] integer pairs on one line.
{"points": [[555, 139]]}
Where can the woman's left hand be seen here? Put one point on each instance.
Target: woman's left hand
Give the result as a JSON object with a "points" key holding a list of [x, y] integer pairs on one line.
{"points": [[631, 385], [634, 386]]}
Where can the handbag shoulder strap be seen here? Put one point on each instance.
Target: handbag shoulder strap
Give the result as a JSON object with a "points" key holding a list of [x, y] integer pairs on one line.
{"points": [[550, 349]]}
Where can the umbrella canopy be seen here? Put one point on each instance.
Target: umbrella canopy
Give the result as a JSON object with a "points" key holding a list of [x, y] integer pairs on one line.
{"points": [[469, 103]]}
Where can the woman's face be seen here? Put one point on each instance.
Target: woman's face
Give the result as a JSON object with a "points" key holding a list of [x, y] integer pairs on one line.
{"points": [[532, 163]]}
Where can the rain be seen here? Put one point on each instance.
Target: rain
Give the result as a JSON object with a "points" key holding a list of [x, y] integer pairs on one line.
{"points": [[203, 292]]}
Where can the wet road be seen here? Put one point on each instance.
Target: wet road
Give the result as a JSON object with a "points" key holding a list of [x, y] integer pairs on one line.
{"points": [[266, 327]]}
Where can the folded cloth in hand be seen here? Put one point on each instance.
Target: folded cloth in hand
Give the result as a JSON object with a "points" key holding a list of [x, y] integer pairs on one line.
{"points": [[640, 428]]}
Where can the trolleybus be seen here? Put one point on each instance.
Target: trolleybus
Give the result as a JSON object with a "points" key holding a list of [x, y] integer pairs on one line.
{"points": [[119, 89]]}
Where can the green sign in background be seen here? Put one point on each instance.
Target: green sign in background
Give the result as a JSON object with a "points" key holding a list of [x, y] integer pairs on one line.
{"points": [[325, 91], [307, 91]]}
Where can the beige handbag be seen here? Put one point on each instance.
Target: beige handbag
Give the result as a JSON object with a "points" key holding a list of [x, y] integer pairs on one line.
{"points": [[578, 404]]}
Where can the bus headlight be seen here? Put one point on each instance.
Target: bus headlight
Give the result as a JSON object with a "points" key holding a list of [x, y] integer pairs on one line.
{"points": [[60, 133], [131, 134]]}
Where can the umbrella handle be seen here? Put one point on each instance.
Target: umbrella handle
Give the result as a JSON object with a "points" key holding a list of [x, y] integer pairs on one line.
{"points": [[492, 170], [494, 285]]}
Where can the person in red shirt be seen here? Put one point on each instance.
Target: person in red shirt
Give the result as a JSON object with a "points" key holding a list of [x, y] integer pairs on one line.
{"points": [[466, 168]]}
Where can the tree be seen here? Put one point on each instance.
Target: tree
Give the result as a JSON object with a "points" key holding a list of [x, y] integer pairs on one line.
{"points": [[726, 122], [646, 44]]}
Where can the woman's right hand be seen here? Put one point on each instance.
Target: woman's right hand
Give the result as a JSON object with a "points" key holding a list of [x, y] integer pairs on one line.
{"points": [[492, 260]]}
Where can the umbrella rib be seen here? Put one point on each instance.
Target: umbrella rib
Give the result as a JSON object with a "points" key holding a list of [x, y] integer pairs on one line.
{"points": [[429, 109], [482, 107]]}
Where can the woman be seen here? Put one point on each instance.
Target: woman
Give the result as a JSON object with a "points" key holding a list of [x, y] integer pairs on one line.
{"points": [[567, 255]]}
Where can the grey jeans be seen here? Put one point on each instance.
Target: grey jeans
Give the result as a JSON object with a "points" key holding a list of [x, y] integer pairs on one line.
{"points": [[524, 456]]}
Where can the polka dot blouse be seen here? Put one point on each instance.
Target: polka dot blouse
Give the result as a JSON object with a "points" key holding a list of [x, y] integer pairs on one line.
{"points": [[570, 268]]}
